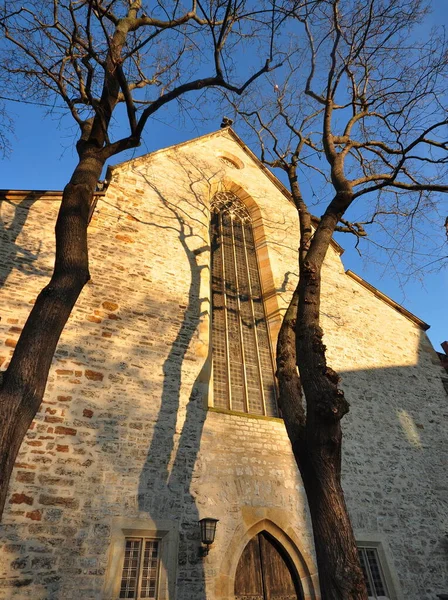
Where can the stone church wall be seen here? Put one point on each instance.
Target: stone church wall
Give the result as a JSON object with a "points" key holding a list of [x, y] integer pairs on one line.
{"points": [[124, 439]]}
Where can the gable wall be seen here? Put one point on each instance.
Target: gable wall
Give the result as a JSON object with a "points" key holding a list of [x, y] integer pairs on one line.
{"points": [[123, 430]]}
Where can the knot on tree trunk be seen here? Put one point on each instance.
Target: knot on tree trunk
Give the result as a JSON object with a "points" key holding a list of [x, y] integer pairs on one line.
{"points": [[309, 268], [332, 375], [318, 346], [285, 373], [333, 408]]}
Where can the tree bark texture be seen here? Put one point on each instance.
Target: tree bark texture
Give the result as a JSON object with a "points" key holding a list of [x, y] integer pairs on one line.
{"points": [[319, 458], [25, 379], [340, 575], [317, 449], [315, 433], [290, 389]]}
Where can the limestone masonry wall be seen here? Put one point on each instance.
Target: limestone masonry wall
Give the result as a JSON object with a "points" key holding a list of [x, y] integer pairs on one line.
{"points": [[124, 431]]}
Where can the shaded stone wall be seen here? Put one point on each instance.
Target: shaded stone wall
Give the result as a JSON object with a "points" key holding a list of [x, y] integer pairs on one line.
{"points": [[124, 429]]}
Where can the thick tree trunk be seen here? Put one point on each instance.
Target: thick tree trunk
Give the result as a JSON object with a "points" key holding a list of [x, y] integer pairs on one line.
{"points": [[25, 379], [315, 434], [290, 389], [340, 575], [316, 446], [319, 458]]}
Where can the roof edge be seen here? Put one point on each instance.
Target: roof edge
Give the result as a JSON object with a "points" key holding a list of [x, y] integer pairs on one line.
{"points": [[39, 194], [44, 194], [398, 307]]}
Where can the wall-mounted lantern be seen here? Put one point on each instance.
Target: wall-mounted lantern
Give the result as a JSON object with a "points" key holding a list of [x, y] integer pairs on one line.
{"points": [[208, 530]]}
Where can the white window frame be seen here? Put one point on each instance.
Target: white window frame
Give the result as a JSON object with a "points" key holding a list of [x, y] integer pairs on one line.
{"points": [[166, 532], [377, 543]]}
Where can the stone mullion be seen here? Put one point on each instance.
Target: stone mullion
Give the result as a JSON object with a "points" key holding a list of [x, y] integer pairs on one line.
{"points": [[260, 374], [224, 295]]}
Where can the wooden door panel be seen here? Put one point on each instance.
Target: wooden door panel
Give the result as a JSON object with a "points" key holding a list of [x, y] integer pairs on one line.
{"points": [[248, 580], [277, 576], [264, 572]]}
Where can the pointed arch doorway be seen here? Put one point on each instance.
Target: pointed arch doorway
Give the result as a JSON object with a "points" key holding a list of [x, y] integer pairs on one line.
{"points": [[265, 572]]}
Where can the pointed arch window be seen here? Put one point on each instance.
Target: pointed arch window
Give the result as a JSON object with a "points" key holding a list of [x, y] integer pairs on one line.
{"points": [[243, 373]]}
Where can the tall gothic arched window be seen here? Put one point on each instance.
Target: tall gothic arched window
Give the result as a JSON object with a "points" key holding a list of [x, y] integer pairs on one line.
{"points": [[243, 374]]}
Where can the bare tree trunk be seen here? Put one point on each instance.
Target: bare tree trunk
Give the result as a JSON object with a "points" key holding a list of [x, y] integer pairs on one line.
{"points": [[316, 444], [290, 389], [340, 574], [316, 436], [24, 381]]}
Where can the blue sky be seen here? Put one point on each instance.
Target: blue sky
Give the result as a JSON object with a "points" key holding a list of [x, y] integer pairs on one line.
{"points": [[43, 157]]}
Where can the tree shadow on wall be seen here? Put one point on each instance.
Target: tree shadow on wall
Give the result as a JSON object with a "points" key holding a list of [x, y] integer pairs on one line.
{"points": [[16, 257], [165, 481], [164, 491]]}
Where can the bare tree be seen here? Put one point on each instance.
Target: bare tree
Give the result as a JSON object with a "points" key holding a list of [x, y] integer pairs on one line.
{"points": [[367, 116], [6, 130], [5, 119], [94, 55]]}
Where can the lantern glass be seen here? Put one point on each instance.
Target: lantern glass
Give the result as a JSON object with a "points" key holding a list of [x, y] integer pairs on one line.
{"points": [[208, 530]]}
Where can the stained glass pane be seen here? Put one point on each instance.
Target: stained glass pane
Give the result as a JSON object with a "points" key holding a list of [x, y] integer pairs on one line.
{"points": [[220, 379], [233, 318]]}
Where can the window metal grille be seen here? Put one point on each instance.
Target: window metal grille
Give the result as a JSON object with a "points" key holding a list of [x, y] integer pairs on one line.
{"points": [[140, 569], [373, 574], [243, 373]]}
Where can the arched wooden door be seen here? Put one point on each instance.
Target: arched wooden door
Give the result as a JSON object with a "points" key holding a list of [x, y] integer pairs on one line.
{"points": [[265, 572]]}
